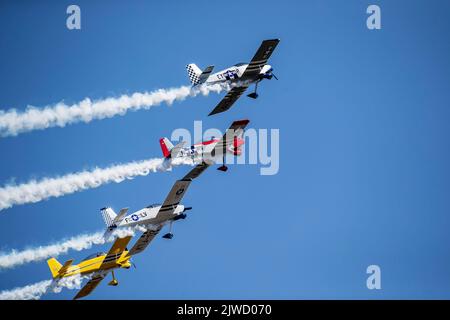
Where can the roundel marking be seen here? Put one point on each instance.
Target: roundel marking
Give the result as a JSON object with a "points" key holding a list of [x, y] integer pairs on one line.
{"points": [[135, 217]]}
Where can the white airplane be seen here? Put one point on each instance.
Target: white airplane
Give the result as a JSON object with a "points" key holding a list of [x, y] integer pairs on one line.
{"points": [[154, 217], [211, 151], [240, 76]]}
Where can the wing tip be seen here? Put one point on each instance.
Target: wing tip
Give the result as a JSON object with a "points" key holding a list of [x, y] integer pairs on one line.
{"points": [[241, 122], [214, 112], [272, 40]]}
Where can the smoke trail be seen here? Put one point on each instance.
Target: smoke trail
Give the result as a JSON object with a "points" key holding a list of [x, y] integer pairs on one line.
{"points": [[37, 290], [30, 292], [17, 258], [35, 191], [13, 122]]}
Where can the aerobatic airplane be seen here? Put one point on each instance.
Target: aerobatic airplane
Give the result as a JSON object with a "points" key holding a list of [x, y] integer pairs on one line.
{"points": [[211, 151], [155, 216], [240, 76], [152, 218], [97, 265]]}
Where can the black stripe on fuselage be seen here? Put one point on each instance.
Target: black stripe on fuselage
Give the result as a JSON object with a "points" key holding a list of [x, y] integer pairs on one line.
{"points": [[169, 205]]}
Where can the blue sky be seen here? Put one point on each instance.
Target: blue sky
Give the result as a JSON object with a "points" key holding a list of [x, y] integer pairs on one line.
{"points": [[364, 153]]}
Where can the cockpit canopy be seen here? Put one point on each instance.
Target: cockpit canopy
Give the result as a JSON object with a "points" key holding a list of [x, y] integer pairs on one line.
{"points": [[154, 205], [94, 255]]}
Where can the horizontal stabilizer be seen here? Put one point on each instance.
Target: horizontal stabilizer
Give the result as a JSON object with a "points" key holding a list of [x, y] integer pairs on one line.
{"points": [[205, 74], [57, 269], [176, 150], [118, 219], [65, 267]]}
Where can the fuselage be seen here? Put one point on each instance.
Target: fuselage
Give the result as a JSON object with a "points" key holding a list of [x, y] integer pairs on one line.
{"points": [[148, 216], [235, 74], [90, 265], [205, 151]]}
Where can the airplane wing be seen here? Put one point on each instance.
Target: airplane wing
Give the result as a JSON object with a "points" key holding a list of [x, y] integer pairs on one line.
{"points": [[144, 241], [116, 250], [229, 99], [260, 59], [173, 199], [198, 170], [236, 129], [113, 254], [90, 285]]}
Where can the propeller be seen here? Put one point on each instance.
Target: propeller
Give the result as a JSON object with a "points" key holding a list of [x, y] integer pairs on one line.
{"points": [[269, 74]]}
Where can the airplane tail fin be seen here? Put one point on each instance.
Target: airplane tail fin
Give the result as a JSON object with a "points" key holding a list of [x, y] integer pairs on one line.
{"points": [[194, 73], [166, 146], [108, 215], [57, 269], [54, 266], [168, 149]]}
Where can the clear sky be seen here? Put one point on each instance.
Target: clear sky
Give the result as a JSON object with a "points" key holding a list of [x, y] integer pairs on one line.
{"points": [[364, 152]]}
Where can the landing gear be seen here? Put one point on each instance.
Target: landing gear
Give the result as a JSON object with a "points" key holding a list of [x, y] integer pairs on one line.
{"points": [[114, 281], [169, 235], [223, 167], [254, 94]]}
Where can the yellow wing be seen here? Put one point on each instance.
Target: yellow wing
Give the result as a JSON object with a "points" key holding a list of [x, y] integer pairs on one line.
{"points": [[119, 245], [90, 286], [114, 253], [116, 250]]}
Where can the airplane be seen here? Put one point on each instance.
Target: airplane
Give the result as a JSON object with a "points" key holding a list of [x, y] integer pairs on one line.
{"points": [[158, 215], [97, 266], [152, 218], [155, 216], [240, 76], [211, 151]]}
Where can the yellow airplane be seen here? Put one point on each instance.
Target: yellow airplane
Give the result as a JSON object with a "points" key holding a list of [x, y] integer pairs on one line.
{"points": [[98, 265]]}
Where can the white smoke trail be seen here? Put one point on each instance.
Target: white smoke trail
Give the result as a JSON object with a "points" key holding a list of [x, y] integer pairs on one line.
{"points": [[35, 191], [37, 290], [17, 258], [30, 292], [13, 122]]}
